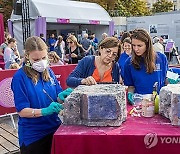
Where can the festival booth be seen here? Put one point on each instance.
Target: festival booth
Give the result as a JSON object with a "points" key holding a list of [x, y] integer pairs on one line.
{"points": [[62, 17]]}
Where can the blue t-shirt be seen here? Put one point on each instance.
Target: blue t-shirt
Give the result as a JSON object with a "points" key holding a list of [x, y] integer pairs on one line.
{"points": [[50, 42], [124, 56], [141, 80], [29, 95]]}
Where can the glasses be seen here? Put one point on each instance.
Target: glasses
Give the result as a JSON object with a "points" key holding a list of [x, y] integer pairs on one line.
{"points": [[109, 52], [70, 42]]}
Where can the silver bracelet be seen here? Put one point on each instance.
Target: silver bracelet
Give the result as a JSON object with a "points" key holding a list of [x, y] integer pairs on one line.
{"points": [[33, 113]]}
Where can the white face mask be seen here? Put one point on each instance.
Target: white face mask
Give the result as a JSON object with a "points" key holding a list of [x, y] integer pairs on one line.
{"points": [[40, 66]]}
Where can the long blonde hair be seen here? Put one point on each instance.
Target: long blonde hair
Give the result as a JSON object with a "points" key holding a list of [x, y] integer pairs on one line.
{"points": [[32, 44]]}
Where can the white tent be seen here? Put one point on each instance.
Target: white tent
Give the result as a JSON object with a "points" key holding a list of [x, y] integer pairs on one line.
{"points": [[77, 12], [78, 17]]}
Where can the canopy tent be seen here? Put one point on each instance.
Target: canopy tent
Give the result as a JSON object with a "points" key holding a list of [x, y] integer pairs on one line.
{"points": [[76, 12], [60, 15]]}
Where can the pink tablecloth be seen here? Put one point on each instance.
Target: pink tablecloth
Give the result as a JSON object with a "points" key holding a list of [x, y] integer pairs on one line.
{"points": [[126, 139]]}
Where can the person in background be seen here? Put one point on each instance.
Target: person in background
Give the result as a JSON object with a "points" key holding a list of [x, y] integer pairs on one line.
{"points": [[86, 44], [59, 47], [125, 35], [10, 56], [75, 51], [144, 67], [14, 66], [101, 68], [95, 40], [54, 59], [52, 42], [127, 48], [7, 36], [42, 37], [35, 90], [158, 47]]}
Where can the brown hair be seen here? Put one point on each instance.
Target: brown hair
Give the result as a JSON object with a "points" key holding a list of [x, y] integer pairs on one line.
{"points": [[14, 66], [11, 40], [32, 44], [127, 40], [149, 55], [110, 42], [54, 55]]}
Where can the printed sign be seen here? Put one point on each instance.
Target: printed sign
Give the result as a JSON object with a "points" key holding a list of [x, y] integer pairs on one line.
{"points": [[63, 21], [94, 22]]}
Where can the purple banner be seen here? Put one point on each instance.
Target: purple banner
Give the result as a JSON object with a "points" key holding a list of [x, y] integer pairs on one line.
{"points": [[63, 21], [111, 28], [40, 26], [94, 22], [1, 29], [10, 27], [169, 46]]}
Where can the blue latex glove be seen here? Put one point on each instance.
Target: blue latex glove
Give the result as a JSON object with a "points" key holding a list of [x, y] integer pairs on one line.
{"points": [[62, 95], [54, 107], [131, 98], [172, 81]]}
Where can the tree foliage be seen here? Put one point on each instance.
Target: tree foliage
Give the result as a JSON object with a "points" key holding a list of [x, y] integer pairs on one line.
{"points": [[6, 9], [162, 6], [123, 7], [131, 8]]}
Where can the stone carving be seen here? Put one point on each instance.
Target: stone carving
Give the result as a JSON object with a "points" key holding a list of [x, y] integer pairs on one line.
{"points": [[96, 105], [170, 103]]}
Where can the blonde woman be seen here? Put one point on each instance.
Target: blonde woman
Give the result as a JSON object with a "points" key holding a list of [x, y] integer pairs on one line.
{"points": [[75, 51], [35, 89], [54, 59]]}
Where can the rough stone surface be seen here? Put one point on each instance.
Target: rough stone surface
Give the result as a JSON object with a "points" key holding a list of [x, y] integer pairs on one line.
{"points": [[96, 105], [170, 103]]}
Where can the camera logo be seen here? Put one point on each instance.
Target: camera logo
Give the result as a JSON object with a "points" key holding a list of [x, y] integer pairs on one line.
{"points": [[150, 140]]}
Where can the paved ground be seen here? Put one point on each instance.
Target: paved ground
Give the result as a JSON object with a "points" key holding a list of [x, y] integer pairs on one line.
{"points": [[8, 136]]}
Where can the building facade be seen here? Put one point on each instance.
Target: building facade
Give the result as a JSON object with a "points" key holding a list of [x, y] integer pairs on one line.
{"points": [[176, 4]]}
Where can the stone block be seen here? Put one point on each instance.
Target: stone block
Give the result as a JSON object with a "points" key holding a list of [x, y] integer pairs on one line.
{"points": [[170, 103], [96, 105]]}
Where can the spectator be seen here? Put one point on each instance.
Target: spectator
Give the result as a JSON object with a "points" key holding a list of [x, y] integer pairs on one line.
{"points": [[52, 42], [42, 37], [158, 47], [7, 36], [125, 35], [75, 51], [54, 59], [127, 48], [9, 55], [59, 47], [86, 44]]}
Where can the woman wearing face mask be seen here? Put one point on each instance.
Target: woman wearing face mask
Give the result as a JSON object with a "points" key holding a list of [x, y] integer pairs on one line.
{"points": [[35, 89], [102, 68], [127, 52], [144, 67]]}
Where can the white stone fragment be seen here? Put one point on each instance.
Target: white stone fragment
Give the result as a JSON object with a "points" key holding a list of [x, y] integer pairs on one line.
{"points": [[170, 103]]}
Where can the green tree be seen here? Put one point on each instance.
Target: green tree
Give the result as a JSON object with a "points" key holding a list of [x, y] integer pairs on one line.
{"points": [[106, 4], [162, 6], [6, 9], [131, 8]]}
